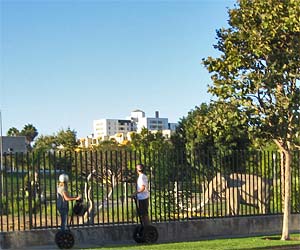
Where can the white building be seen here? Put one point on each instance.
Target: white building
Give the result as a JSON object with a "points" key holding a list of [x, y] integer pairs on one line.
{"points": [[172, 126], [105, 128], [152, 123], [88, 141], [121, 130]]}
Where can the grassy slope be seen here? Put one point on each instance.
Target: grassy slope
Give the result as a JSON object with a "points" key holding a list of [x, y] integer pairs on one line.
{"points": [[222, 244]]}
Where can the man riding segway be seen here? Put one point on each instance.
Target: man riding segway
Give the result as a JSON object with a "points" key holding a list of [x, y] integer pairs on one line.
{"points": [[144, 232]]}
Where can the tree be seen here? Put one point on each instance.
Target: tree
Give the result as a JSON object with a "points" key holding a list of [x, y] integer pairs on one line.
{"points": [[67, 139], [258, 72], [13, 132], [30, 132], [149, 141], [45, 143], [213, 126]]}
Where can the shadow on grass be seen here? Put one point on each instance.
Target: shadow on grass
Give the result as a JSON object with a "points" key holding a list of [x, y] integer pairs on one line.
{"points": [[284, 247], [280, 247]]}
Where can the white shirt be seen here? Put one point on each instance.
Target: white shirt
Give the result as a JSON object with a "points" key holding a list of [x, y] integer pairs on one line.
{"points": [[142, 180]]}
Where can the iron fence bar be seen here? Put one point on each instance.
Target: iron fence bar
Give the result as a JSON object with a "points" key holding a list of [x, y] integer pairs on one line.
{"points": [[102, 185], [131, 188], [275, 190], [97, 186], [91, 166], [32, 196], [43, 191], [257, 171], [6, 193], [118, 169], [18, 191], [170, 191], [121, 185], [222, 173], [81, 159], [295, 170], [163, 185], [23, 192], [155, 181], [184, 161], [190, 183], [175, 184], [161, 197], [50, 188], [195, 187], [55, 184], [112, 184], [107, 188], [148, 162], [12, 192], [38, 192], [178, 194], [254, 159], [126, 207], [77, 185]]}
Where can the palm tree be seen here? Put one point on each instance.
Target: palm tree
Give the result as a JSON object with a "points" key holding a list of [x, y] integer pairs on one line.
{"points": [[30, 132], [13, 132]]}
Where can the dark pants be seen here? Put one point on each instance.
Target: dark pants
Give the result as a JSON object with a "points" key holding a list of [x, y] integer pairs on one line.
{"points": [[143, 206], [143, 211]]}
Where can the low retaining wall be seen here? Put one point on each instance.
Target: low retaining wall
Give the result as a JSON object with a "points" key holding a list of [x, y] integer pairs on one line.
{"points": [[168, 232]]}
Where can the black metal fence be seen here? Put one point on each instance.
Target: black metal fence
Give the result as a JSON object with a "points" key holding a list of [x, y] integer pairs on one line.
{"points": [[182, 186]]}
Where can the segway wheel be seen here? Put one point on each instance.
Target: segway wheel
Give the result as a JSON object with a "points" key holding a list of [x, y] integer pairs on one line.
{"points": [[64, 239], [150, 234], [138, 234]]}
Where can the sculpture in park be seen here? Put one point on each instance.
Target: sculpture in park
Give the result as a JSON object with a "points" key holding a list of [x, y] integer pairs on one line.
{"points": [[239, 189]]}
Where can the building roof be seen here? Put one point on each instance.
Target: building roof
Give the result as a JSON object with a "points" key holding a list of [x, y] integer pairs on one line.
{"points": [[137, 110]]}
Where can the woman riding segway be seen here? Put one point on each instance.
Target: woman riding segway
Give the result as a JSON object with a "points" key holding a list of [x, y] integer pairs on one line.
{"points": [[64, 238]]}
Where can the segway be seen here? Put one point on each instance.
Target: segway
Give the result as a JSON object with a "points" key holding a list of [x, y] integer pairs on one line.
{"points": [[144, 233], [65, 239]]}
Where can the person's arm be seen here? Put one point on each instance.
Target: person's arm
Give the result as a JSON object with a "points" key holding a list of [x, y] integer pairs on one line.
{"points": [[70, 198], [142, 189]]}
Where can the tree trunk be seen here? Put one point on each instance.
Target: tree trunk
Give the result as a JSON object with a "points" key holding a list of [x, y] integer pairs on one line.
{"points": [[287, 196]]}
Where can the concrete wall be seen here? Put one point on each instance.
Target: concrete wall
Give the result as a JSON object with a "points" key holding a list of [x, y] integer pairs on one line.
{"points": [[168, 232]]}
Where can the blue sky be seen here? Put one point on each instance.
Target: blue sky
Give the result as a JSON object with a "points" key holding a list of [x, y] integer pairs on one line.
{"points": [[67, 63]]}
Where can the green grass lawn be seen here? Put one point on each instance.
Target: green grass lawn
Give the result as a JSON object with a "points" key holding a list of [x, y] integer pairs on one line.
{"points": [[263, 243]]}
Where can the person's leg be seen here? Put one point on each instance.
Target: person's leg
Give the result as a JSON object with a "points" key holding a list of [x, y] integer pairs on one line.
{"points": [[143, 210], [64, 219]]}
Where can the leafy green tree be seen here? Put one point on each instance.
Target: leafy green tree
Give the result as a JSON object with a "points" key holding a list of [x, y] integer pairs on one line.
{"points": [[13, 132], [45, 143], [108, 145], [147, 141], [63, 140], [228, 127], [192, 130], [67, 139], [212, 133], [178, 139], [258, 72], [215, 127]]}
